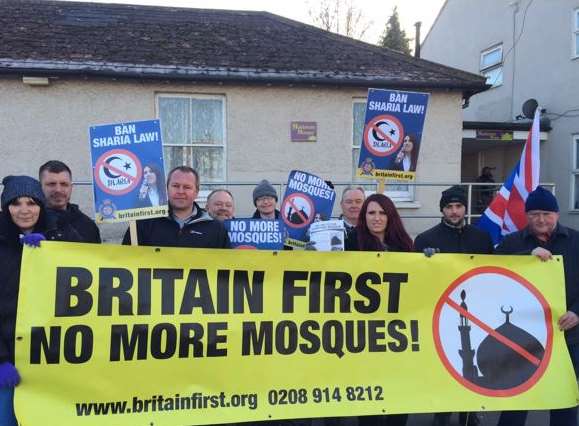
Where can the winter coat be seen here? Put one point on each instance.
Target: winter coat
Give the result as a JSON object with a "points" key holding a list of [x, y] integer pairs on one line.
{"points": [[256, 214], [565, 242], [450, 239], [201, 231], [10, 259], [73, 224]]}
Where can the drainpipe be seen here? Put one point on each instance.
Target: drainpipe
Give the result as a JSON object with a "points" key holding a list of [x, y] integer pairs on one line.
{"points": [[417, 40], [515, 6]]}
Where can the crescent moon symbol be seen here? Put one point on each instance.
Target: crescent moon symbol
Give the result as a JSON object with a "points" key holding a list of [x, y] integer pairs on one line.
{"points": [[107, 170]]}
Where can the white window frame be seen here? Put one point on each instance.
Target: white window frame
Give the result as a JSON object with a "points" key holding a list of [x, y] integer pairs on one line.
{"points": [[575, 35], [356, 101], [396, 196], [485, 69], [223, 100], [574, 172]]}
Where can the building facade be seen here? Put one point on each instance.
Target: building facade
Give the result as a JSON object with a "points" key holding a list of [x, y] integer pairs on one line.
{"points": [[227, 87], [527, 49]]}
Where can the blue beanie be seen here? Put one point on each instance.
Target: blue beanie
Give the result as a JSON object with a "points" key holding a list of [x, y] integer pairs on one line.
{"points": [[21, 186], [541, 199]]}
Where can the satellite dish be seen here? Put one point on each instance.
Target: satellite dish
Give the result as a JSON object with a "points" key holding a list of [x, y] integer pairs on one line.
{"points": [[529, 108]]}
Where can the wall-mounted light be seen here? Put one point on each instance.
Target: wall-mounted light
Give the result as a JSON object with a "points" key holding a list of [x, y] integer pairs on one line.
{"points": [[36, 81]]}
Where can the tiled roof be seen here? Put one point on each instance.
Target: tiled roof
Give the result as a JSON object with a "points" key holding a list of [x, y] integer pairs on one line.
{"points": [[52, 37]]}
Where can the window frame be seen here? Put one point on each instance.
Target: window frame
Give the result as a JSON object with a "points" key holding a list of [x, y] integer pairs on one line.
{"points": [[574, 172], [203, 96], [575, 34], [396, 196], [484, 70]]}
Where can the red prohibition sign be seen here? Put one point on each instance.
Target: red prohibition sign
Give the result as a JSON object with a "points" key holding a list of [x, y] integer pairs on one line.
{"points": [[447, 301], [290, 199], [391, 139], [104, 165]]}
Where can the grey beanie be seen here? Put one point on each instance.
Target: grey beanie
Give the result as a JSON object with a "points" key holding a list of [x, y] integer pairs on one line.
{"points": [[21, 186], [263, 189]]}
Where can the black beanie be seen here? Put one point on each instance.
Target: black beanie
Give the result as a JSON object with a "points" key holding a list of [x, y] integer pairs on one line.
{"points": [[21, 186], [454, 194], [541, 199]]}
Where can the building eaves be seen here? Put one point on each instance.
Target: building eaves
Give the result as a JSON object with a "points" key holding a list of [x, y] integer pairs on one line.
{"points": [[88, 68]]}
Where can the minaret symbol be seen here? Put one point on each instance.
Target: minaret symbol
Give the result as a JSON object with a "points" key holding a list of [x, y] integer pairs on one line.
{"points": [[469, 371]]}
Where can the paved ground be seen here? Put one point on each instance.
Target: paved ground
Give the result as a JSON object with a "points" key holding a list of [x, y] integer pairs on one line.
{"points": [[536, 418]]}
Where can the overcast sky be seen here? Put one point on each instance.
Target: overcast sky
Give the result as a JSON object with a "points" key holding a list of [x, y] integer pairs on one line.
{"points": [[377, 13]]}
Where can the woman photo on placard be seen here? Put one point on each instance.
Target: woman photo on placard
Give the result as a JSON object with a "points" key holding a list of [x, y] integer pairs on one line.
{"points": [[407, 155], [152, 191]]}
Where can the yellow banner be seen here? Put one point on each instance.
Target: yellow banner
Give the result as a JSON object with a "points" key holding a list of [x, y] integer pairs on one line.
{"points": [[110, 335]]}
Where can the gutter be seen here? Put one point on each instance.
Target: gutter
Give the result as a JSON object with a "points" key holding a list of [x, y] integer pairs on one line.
{"points": [[120, 70]]}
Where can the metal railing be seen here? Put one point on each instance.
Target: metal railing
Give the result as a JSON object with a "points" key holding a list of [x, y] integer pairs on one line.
{"points": [[412, 207], [243, 198]]}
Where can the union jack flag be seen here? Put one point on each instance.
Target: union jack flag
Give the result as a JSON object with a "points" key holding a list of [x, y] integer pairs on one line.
{"points": [[506, 212]]}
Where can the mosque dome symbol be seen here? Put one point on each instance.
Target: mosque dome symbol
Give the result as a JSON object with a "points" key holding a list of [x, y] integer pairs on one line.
{"points": [[499, 365]]}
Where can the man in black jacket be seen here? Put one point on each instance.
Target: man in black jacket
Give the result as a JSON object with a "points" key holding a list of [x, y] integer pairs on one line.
{"points": [[187, 225], [56, 180], [543, 237], [454, 235]]}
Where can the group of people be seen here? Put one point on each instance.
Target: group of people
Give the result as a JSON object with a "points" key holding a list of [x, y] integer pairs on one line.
{"points": [[33, 210]]}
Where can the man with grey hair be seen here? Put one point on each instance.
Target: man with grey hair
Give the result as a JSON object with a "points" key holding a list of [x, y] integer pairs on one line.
{"points": [[220, 205], [352, 200]]}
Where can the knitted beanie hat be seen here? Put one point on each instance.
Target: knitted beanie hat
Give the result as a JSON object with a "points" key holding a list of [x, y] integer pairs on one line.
{"points": [[454, 194], [541, 199], [21, 186], [263, 189]]}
